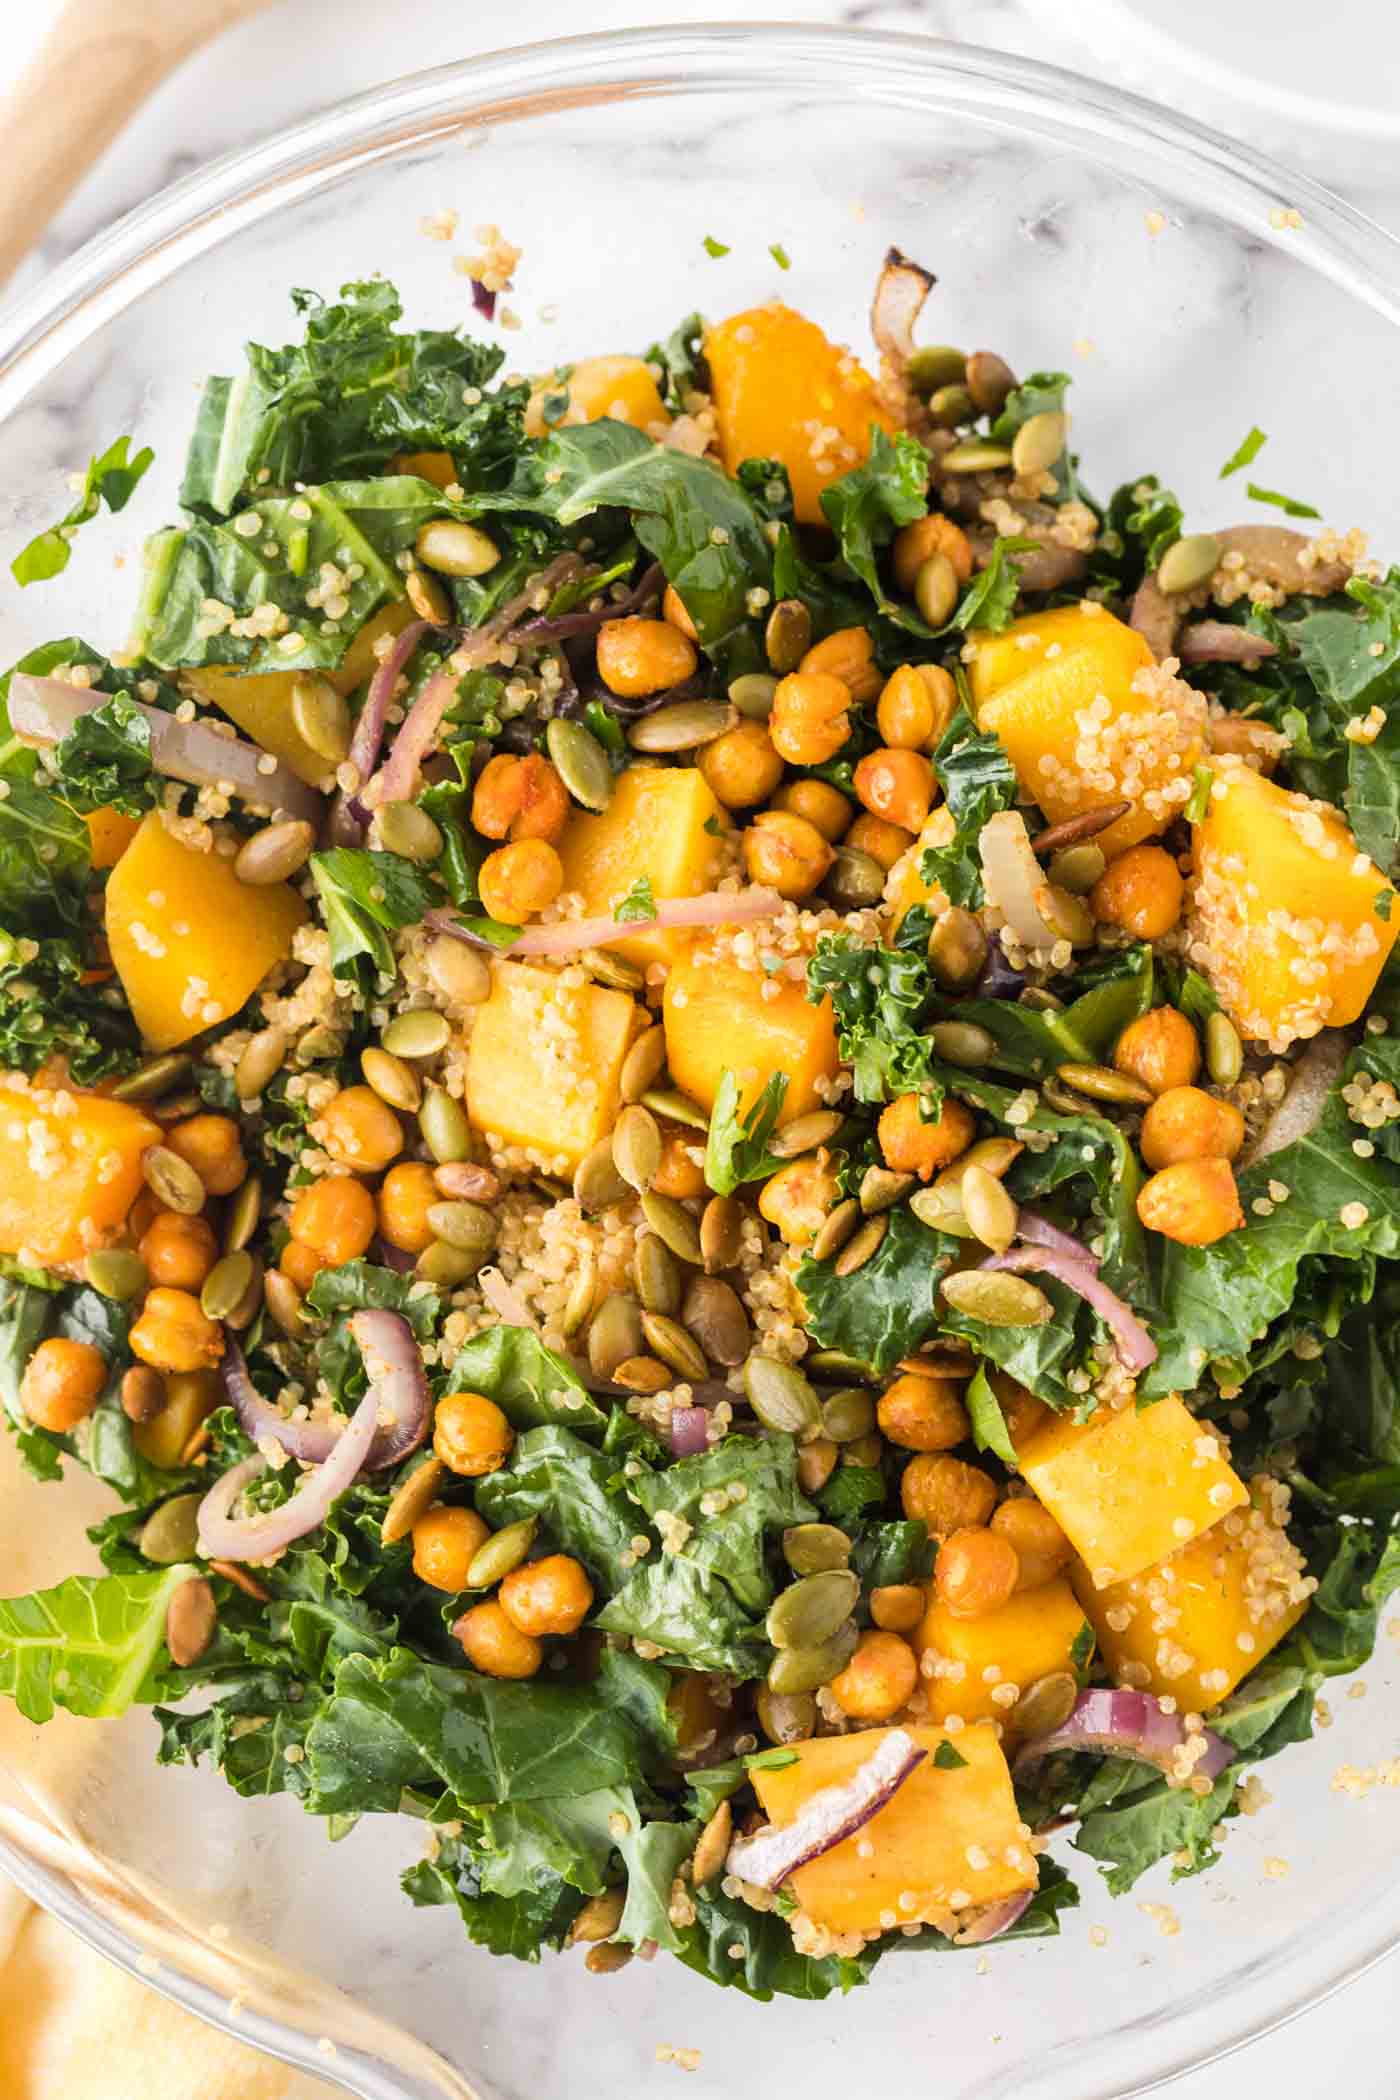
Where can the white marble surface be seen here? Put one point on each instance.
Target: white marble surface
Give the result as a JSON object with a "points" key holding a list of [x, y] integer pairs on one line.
{"points": [[300, 54]]}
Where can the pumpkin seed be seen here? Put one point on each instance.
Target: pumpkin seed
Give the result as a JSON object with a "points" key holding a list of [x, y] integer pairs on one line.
{"points": [[412, 1499], [614, 970], [808, 1669], [963, 1043], [614, 1335], [781, 1397], [810, 1610], [321, 718], [721, 1233], [753, 694], [245, 1311], [996, 1155], [940, 1208], [1039, 442], [191, 1621], [607, 1958], [579, 1303], [835, 1363], [636, 1146], [274, 853], [264, 1055], [405, 829], [150, 1081], [393, 1080], [1068, 917], [835, 1229], [936, 587], [785, 1717], [881, 1188], [226, 1285], [957, 949], [505, 1549], [427, 597], [810, 1549], [856, 879], [934, 365], [461, 974], [143, 1393], [669, 1340], [950, 405], [420, 1033], [446, 1266], [676, 1107], [864, 1451], [643, 1064], [601, 1916], [848, 1413], [787, 636], [459, 1178], [1102, 1083], [466, 1226], [455, 548], [683, 726], [672, 1222], [116, 1272], [171, 1533], [816, 1462], [173, 1180], [862, 1245], [1046, 1705], [990, 379], [1077, 868], [714, 1313], [443, 1123], [1188, 563], [998, 1299], [283, 1301], [1039, 1000], [656, 1275], [597, 1185], [712, 1847], [974, 456], [805, 1133], [1224, 1051], [321, 1041], [580, 761], [988, 1209], [643, 1374]]}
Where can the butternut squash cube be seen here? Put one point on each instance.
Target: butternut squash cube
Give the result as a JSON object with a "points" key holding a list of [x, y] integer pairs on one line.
{"points": [[545, 1060], [1026, 1638], [110, 832], [72, 1168], [654, 827], [783, 390], [1285, 914], [438, 467], [621, 388], [950, 1839], [905, 886], [1192, 1626], [1131, 1485], [189, 941], [1087, 717], [716, 1017]]}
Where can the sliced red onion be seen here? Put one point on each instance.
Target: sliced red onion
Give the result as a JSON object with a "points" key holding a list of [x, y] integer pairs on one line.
{"points": [[710, 908], [1217, 642], [44, 710], [690, 1431], [397, 1382], [1014, 877], [1300, 1110], [226, 1537], [482, 300], [260, 1420], [1135, 1345], [389, 1256], [572, 624], [1284, 558], [505, 1301], [1157, 617], [1039, 1232], [900, 292], [992, 1920], [1129, 1724], [368, 738], [827, 1817]]}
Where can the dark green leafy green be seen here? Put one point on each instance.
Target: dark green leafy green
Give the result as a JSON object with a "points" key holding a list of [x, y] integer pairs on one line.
{"points": [[111, 478], [736, 1149], [531, 1385], [866, 507], [45, 856], [574, 1492], [889, 1305], [879, 997], [768, 1965], [978, 781], [758, 1483], [694, 1618], [989, 601], [93, 1644], [989, 1430], [365, 897]]}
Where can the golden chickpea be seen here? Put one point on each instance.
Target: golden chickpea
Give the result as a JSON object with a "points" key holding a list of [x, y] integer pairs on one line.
{"points": [[798, 1197], [946, 1494], [1041, 1546], [1161, 1049], [913, 545], [1141, 891], [849, 655], [878, 1680], [786, 852], [144, 1212], [178, 1250], [445, 1543], [898, 1607], [406, 1195], [820, 803], [336, 1216], [518, 880], [360, 1131], [912, 1144], [553, 1595], [896, 785], [62, 1384], [1195, 1202], [173, 1334], [470, 1434], [923, 1414], [495, 1647], [673, 609], [883, 841], [681, 1174], [809, 722], [520, 798], [638, 656], [210, 1144], [908, 716], [301, 1264], [741, 767], [975, 1572], [1188, 1123]]}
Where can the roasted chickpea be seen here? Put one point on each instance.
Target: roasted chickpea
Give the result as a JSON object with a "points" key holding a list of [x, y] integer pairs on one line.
{"points": [[681, 1173], [406, 1195], [336, 1216], [178, 1250], [470, 1434], [912, 1144], [210, 1144], [520, 798], [741, 767], [62, 1384], [173, 1334], [637, 656], [144, 1212], [918, 703], [798, 1197], [1041, 1546], [518, 880], [1188, 1123], [360, 1131], [787, 853], [809, 722], [1195, 1202], [878, 1680], [898, 1607], [849, 655], [1141, 891], [1021, 1411], [820, 803], [495, 1647], [976, 1571], [923, 1414], [896, 785], [1243, 737], [883, 841], [673, 609], [301, 1264], [913, 545], [445, 1543], [1161, 1049], [553, 1595], [946, 1494]]}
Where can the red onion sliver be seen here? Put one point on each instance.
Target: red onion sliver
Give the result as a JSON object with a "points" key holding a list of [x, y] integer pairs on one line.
{"points": [[1129, 1724], [1039, 1232], [365, 744], [259, 1419], [690, 1431], [1135, 1345], [225, 1537], [569, 625], [394, 1367], [828, 1816], [1217, 642], [710, 908], [992, 1920]]}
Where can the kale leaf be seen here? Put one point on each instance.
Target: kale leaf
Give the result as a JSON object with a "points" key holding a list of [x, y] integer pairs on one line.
{"points": [[736, 1149], [889, 1305], [978, 781], [866, 507], [111, 478], [365, 897], [105, 759]]}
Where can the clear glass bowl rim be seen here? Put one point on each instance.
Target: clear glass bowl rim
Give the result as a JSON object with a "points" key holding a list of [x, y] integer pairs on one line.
{"points": [[39, 329]]}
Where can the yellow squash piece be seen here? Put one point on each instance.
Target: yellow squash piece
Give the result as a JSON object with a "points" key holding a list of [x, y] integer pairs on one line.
{"points": [[1285, 914], [545, 1060], [438, 467], [110, 832], [653, 829], [72, 1168], [189, 941], [1192, 1626], [905, 886], [1026, 1638], [1131, 1485], [716, 1018], [1087, 718], [782, 390], [950, 1840], [621, 388]]}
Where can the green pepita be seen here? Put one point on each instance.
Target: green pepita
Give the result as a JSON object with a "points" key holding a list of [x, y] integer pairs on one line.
{"points": [[1102, 1083], [785, 1717], [781, 1397], [809, 1611], [636, 1146], [1039, 442], [672, 1222], [1188, 563], [1068, 917], [264, 1055], [667, 1339], [988, 1209], [848, 1413], [246, 1309], [863, 1244], [721, 1233], [881, 1188], [936, 587], [835, 1363], [171, 1533], [940, 1208], [405, 829], [283, 1301], [643, 1065], [714, 1313], [752, 693], [1077, 868], [656, 1275], [321, 718], [996, 1155], [427, 597], [990, 379], [614, 1334], [676, 1107], [808, 1669], [467, 1226], [274, 853], [805, 1133], [712, 1847], [412, 1499], [117, 1272], [963, 1043], [685, 725], [455, 548], [443, 1122], [811, 1549], [504, 1550], [461, 975], [581, 762], [835, 1229], [1046, 1705], [161, 1076], [974, 456], [1224, 1050], [613, 970], [934, 365], [447, 1267], [421, 1033], [950, 405], [173, 1180], [787, 636], [226, 1285], [856, 880], [393, 1080], [597, 1185], [998, 1299], [582, 1291]]}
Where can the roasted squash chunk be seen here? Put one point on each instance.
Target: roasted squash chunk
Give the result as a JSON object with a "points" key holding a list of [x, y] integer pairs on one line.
{"points": [[717, 1018], [1286, 912], [621, 388], [72, 1168], [1026, 1638], [110, 832], [905, 885], [654, 828], [189, 941], [1131, 1485], [950, 1840], [782, 390], [544, 1062]]}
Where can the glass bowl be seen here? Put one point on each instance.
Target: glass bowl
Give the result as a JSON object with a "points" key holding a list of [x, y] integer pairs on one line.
{"points": [[1070, 226]]}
